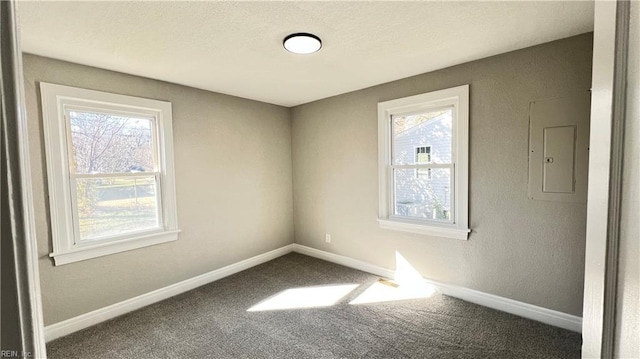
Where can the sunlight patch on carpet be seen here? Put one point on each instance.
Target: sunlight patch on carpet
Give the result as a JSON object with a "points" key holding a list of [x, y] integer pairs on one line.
{"points": [[408, 284], [306, 297]]}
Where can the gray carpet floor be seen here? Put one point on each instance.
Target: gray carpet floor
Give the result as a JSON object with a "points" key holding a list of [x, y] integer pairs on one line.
{"points": [[213, 322]]}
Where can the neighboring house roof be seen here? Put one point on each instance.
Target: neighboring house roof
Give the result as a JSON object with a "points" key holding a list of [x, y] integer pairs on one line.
{"points": [[427, 120]]}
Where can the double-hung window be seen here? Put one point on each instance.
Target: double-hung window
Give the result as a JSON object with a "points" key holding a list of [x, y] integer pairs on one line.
{"points": [[423, 163], [110, 171]]}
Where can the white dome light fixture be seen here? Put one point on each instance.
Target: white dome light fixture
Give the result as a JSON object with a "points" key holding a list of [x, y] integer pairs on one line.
{"points": [[302, 43]]}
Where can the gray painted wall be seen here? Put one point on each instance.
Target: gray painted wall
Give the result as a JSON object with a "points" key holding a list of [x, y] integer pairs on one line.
{"points": [[233, 185], [628, 310], [531, 251]]}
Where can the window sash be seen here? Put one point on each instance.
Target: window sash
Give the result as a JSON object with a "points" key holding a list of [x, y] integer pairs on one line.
{"points": [[391, 196], [391, 155], [74, 176], [75, 215], [393, 188], [155, 148], [392, 183]]}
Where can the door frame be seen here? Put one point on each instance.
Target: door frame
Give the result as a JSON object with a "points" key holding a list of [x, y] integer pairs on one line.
{"points": [[15, 139], [608, 105]]}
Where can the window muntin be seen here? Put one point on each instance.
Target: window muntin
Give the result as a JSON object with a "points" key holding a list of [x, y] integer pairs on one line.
{"points": [[423, 162], [110, 172]]}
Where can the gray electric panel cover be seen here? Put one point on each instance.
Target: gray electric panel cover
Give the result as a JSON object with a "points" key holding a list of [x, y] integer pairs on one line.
{"points": [[559, 148]]}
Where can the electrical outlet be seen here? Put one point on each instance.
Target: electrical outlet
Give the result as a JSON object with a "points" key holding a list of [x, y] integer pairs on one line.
{"points": [[327, 238]]}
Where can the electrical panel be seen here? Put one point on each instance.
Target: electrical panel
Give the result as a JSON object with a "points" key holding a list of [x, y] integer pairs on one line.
{"points": [[559, 148]]}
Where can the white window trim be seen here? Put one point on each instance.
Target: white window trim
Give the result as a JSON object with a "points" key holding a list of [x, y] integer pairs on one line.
{"points": [[54, 98], [459, 98]]}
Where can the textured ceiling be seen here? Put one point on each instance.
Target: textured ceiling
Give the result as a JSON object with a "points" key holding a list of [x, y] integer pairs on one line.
{"points": [[236, 47]]}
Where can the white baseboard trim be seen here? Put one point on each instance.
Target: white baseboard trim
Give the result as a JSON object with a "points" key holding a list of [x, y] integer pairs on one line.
{"points": [[342, 260], [530, 311], [86, 320]]}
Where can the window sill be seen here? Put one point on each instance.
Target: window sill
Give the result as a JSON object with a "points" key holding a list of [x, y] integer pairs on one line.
{"points": [[82, 253], [429, 229]]}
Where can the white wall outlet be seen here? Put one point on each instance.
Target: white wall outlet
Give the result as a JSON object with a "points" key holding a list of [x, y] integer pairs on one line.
{"points": [[327, 238]]}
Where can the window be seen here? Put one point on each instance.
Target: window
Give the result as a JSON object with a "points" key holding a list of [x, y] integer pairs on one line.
{"points": [[423, 163], [110, 171], [423, 155]]}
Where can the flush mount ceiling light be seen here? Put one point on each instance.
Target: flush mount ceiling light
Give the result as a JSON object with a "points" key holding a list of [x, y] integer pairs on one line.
{"points": [[302, 43]]}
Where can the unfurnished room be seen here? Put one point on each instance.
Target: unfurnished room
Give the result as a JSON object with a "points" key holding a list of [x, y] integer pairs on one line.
{"points": [[334, 179]]}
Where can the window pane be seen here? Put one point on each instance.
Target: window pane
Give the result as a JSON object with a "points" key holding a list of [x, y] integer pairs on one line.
{"points": [[105, 143], [423, 137], [426, 195], [115, 206]]}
